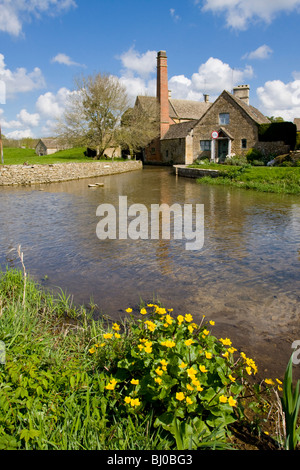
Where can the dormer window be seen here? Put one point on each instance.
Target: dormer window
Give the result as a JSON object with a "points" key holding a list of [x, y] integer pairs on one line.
{"points": [[224, 119]]}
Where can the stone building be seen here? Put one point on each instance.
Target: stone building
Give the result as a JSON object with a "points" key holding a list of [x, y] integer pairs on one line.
{"points": [[190, 130], [48, 146]]}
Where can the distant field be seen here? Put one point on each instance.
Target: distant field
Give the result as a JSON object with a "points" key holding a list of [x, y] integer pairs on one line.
{"points": [[17, 156]]}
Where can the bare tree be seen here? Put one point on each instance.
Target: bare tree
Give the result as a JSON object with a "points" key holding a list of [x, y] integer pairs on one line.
{"points": [[139, 127], [93, 113]]}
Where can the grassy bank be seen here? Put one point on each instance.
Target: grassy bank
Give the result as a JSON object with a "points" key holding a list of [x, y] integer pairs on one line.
{"points": [[265, 179], [156, 381], [19, 156]]}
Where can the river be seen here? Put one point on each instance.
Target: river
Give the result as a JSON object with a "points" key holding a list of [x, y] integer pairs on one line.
{"points": [[245, 278]]}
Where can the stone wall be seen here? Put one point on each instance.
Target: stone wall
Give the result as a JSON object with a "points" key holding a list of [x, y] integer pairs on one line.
{"points": [[272, 148], [11, 175], [181, 170]]}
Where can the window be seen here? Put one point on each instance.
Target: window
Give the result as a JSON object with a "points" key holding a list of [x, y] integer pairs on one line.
{"points": [[244, 143], [224, 118], [205, 145]]}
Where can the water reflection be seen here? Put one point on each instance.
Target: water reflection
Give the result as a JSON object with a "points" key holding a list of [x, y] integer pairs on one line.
{"points": [[246, 277]]}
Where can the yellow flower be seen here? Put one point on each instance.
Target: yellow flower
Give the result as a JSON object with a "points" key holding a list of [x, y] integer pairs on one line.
{"points": [[170, 309], [205, 332], [208, 355], [279, 381], [183, 365], [128, 310], [150, 305], [269, 382], [111, 385], [231, 378], [223, 399], [225, 342], [212, 322], [180, 396], [180, 319], [143, 311], [127, 400], [249, 370], [108, 336], [148, 349], [164, 362], [188, 318], [159, 371], [199, 388], [188, 400], [92, 350], [160, 310], [140, 346], [116, 327], [203, 369], [134, 382], [117, 335], [158, 380], [188, 342], [232, 350], [169, 319], [189, 387], [232, 401], [168, 344], [135, 402], [191, 328], [226, 354], [191, 373], [151, 325]]}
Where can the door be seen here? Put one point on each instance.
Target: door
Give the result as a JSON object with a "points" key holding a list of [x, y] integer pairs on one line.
{"points": [[222, 149]]}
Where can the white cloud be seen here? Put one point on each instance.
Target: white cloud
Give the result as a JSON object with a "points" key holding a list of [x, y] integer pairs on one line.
{"points": [[31, 120], [175, 17], [65, 60], [142, 64], [14, 13], [240, 13], [212, 78], [22, 134], [19, 80], [262, 52], [280, 99], [52, 105]]}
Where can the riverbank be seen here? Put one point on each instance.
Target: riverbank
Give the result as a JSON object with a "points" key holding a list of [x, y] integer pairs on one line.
{"points": [[26, 175], [279, 180], [68, 382]]}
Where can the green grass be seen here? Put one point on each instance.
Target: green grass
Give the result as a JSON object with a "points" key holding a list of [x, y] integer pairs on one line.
{"points": [[18, 156], [66, 379], [265, 179]]}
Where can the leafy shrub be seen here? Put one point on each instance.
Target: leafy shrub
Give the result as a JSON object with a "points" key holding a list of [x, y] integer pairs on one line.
{"points": [[254, 155]]}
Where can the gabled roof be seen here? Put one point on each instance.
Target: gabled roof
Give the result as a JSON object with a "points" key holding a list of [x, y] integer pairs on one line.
{"points": [[50, 142], [297, 122], [178, 109], [179, 131], [187, 109], [252, 112]]}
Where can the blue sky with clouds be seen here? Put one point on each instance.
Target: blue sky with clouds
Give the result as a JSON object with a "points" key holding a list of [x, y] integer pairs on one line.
{"points": [[211, 45]]}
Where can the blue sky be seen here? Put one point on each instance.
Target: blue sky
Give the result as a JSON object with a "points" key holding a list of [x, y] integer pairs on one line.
{"points": [[211, 45]]}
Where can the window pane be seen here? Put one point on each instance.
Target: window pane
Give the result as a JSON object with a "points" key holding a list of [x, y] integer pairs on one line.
{"points": [[224, 118], [205, 145]]}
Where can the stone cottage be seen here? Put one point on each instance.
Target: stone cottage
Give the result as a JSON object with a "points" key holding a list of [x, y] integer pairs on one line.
{"points": [[49, 146], [190, 130]]}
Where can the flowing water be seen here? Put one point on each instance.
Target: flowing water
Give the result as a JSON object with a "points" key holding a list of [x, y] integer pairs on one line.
{"points": [[245, 278]]}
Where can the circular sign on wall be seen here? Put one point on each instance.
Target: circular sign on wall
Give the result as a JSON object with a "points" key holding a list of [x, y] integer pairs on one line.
{"points": [[215, 134]]}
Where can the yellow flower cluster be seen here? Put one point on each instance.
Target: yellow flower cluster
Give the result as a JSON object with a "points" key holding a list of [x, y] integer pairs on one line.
{"points": [[168, 343], [112, 384], [251, 366], [134, 402], [231, 401], [146, 345]]}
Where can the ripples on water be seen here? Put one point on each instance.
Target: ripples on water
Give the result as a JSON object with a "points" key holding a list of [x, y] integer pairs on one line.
{"points": [[246, 277]]}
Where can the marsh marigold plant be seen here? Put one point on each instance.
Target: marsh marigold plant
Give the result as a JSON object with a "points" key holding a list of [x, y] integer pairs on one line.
{"points": [[178, 369]]}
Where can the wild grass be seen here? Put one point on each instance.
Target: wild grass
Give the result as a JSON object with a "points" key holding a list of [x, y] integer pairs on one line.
{"points": [[19, 156], [278, 180]]}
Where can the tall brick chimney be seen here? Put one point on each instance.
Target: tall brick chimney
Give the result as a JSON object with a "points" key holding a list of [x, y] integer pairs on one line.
{"points": [[163, 92]]}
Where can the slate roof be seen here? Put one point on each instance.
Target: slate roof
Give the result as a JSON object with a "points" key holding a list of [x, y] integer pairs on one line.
{"points": [[179, 131], [50, 143], [178, 109]]}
